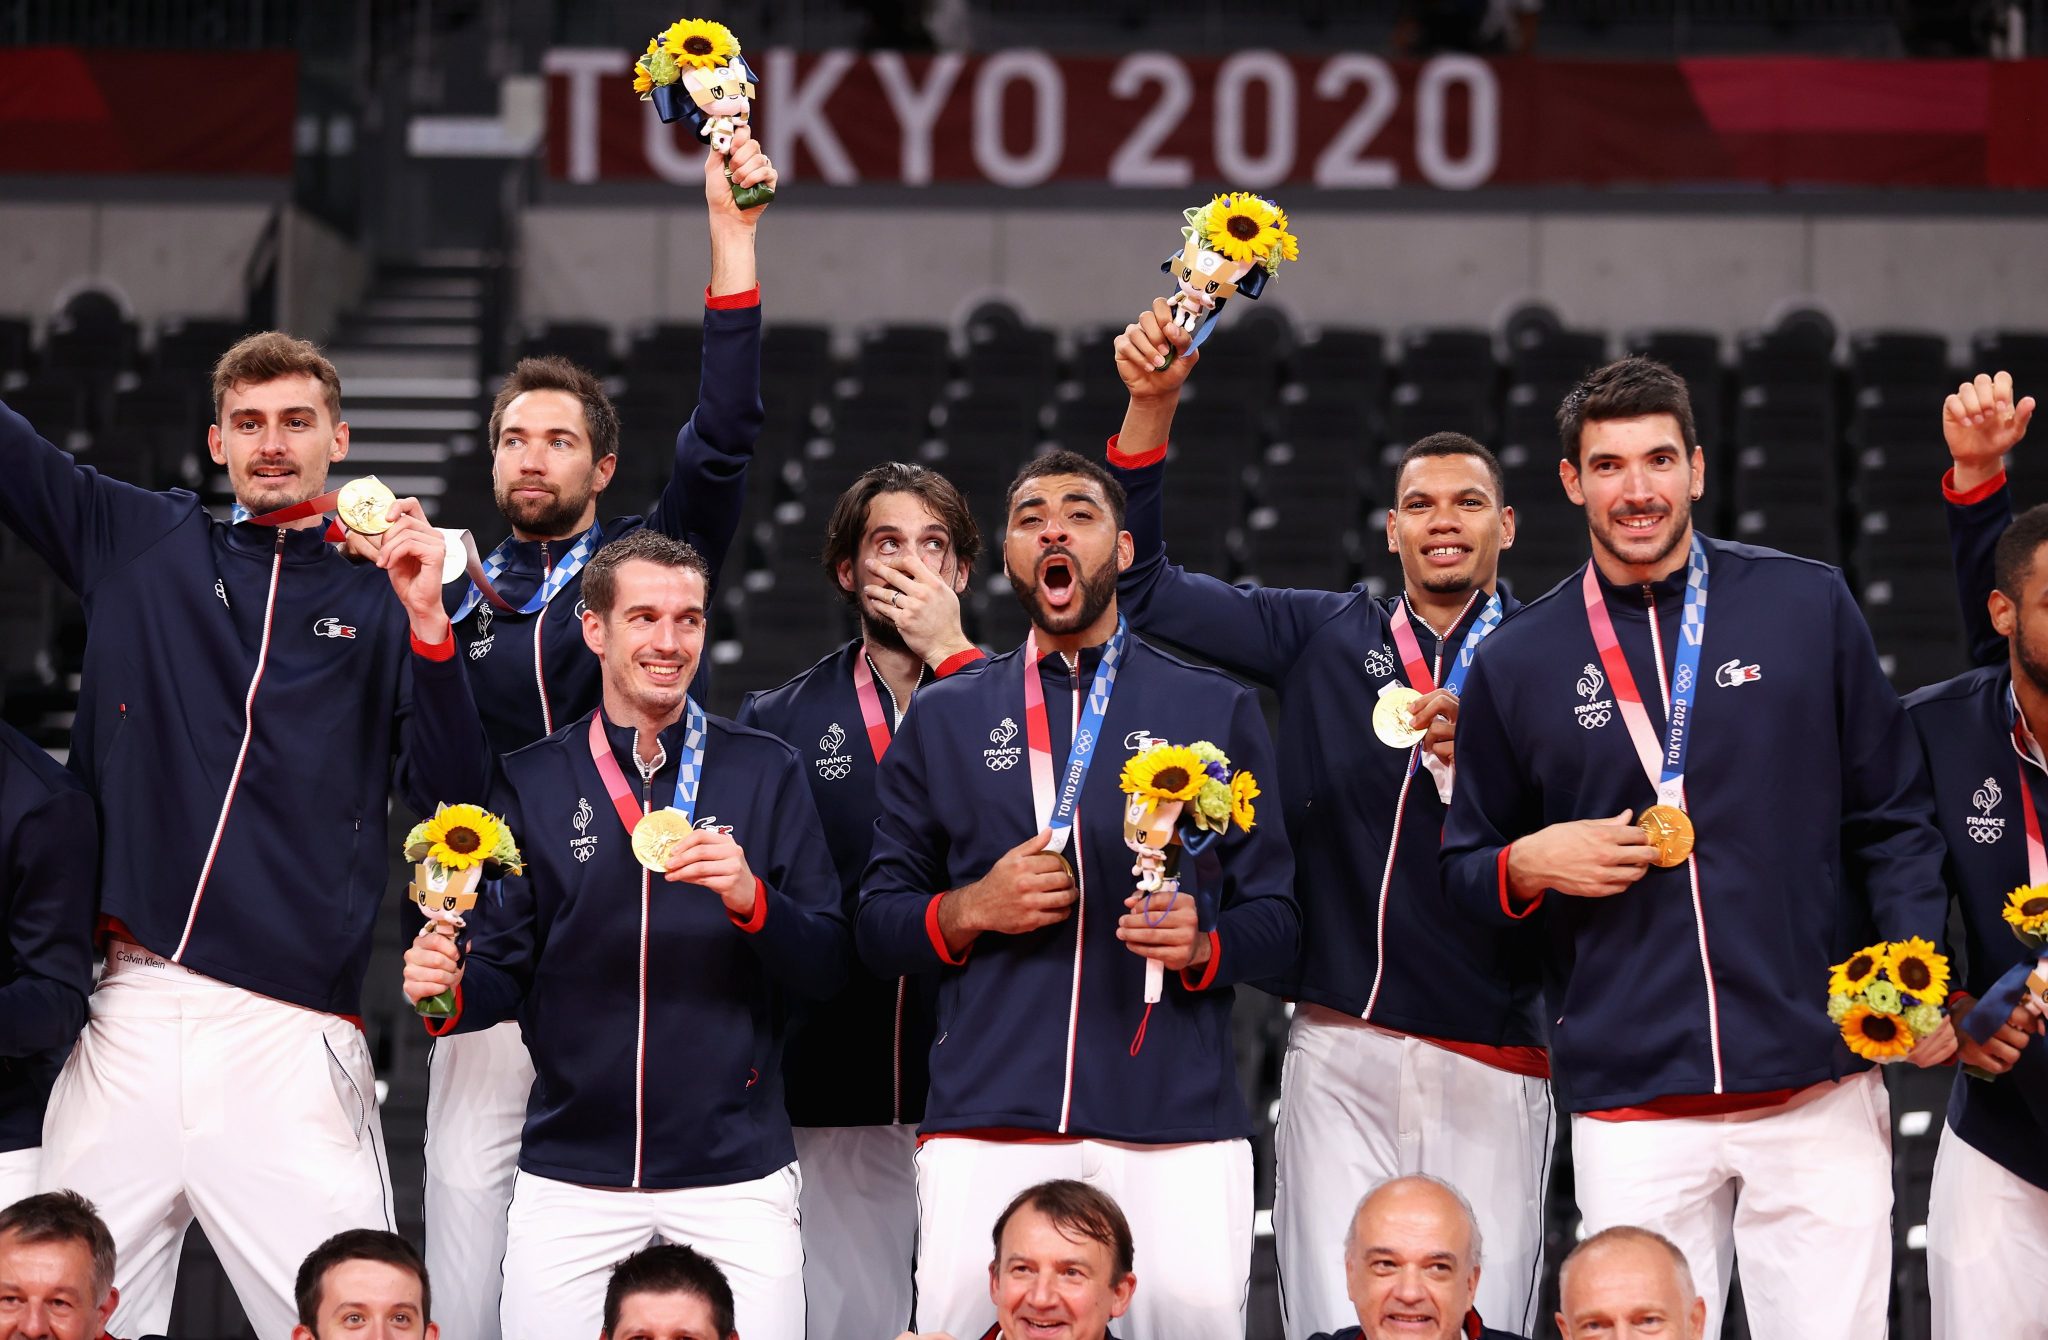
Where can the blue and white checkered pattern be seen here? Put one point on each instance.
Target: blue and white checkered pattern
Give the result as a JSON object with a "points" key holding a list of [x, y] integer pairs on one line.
{"points": [[1692, 633], [690, 767], [1089, 731], [1693, 625], [1488, 620], [558, 576]]}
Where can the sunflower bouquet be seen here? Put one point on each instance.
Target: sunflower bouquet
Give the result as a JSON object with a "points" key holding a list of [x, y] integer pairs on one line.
{"points": [[1182, 799], [1887, 997], [693, 71], [1231, 245], [452, 852]]}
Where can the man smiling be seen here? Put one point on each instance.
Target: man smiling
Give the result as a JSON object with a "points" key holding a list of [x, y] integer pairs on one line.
{"points": [[1699, 847], [1412, 1265]]}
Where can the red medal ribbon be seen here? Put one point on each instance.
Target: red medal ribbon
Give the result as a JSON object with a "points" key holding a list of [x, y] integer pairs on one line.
{"points": [[870, 706], [1627, 698], [615, 783], [299, 511], [1412, 661]]}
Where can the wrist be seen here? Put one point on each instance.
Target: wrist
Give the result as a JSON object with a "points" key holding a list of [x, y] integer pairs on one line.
{"points": [[1969, 476], [946, 648], [431, 632]]}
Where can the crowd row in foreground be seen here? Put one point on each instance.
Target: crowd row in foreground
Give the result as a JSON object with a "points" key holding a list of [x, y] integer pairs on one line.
{"points": [[818, 990]]}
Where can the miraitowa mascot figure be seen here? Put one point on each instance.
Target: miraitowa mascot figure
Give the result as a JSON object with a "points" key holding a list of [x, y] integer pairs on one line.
{"points": [[694, 72], [452, 853], [1231, 246]]}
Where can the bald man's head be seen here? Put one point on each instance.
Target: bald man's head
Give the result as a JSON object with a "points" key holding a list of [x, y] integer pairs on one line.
{"points": [[1625, 1282], [1411, 1259]]}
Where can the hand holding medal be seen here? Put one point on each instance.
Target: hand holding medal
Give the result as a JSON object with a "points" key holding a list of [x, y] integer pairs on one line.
{"points": [[1181, 800], [694, 72], [460, 846]]}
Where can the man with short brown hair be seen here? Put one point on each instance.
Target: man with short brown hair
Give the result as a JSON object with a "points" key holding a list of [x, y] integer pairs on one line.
{"points": [[554, 444], [250, 698], [56, 1269]]}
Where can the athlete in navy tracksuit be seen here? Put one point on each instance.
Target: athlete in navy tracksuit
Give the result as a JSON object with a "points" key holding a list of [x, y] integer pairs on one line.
{"points": [[1988, 1216], [553, 437], [49, 866], [1400, 1008], [1689, 1038], [654, 1009], [1048, 1063], [248, 700], [855, 1064]]}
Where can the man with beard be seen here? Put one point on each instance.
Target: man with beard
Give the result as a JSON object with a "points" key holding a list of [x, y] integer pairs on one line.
{"points": [[1698, 855], [654, 1012], [899, 547], [1397, 1010], [1987, 1222], [1000, 865], [554, 447], [250, 700]]}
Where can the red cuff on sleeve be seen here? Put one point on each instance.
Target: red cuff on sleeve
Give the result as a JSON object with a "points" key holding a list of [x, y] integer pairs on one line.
{"points": [[1507, 899], [760, 917], [732, 302], [938, 937], [444, 650], [1975, 495], [1208, 969], [441, 1028], [1123, 460], [959, 660]]}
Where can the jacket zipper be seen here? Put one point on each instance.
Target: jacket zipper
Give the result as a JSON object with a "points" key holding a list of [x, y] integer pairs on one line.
{"points": [[242, 755], [1379, 964], [1080, 903], [540, 682], [1692, 867], [647, 772]]}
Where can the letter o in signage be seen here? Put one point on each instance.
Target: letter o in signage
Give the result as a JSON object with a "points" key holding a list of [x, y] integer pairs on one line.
{"points": [[1048, 134]]}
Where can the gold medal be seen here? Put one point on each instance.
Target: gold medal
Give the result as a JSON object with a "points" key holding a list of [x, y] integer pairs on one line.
{"points": [[657, 831], [363, 505], [1670, 832], [1390, 717]]}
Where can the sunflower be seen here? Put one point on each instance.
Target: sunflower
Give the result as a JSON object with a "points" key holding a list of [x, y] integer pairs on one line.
{"points": [[1918, 971], [1874, 1036], [1857, 971], [643, 82], [2026, 910], [460, 836], [1246, 228], [1169, 772], [700, 43], [1244, 789]]}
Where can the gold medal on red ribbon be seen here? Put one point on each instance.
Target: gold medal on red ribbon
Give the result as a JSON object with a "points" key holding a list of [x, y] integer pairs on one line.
{"points": [[364, 505], [1670, 832], [655, 834]]}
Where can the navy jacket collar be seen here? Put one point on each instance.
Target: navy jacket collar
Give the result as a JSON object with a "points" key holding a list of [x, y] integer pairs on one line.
{"points": [[622, 737]]}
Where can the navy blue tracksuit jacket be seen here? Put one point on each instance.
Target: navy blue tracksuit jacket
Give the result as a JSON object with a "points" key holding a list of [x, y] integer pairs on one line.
{"points": [[49, 856], [1965, 727], [1036, 1031], [1328, 653], [1812, 807], [249, 698], [525, 691], [858, 1059], [655, 1019]]}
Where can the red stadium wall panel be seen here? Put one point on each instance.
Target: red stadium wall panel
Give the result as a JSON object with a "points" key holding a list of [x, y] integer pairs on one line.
{"points": [[1259, 119], [67, 110]]}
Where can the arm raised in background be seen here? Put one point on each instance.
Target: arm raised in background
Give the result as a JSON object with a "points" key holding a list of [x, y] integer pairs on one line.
{"points": [[708, 486], [1982, 422], [79, 521], [1254, 632]]}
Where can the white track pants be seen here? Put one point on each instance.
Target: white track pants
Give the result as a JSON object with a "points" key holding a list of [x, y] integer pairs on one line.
{"points": [[1358, 1105], [188, 1098], [1987, 1248], [18, 1174], [477, 1086], [860, 1228], [1189, 1207], [563, 1240], [1802, 1193]]}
